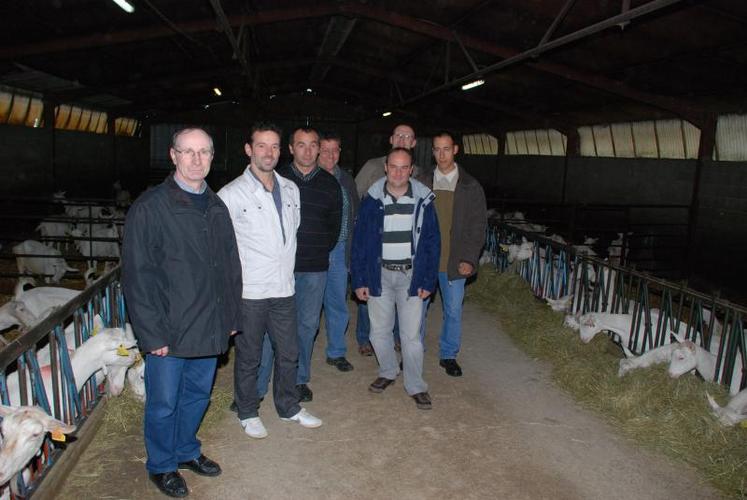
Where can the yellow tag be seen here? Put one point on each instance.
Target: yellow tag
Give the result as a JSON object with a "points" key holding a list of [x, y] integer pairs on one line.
{"points": [[96, 329], [503, 247], [122, 351], [743, 423], [57, 435]]}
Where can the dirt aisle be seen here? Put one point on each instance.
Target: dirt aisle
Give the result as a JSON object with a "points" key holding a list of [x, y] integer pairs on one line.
{"points": [[501, 431]]}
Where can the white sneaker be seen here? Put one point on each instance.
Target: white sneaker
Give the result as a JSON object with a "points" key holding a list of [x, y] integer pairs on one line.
{"points": [[304, 418], [254, 427]]}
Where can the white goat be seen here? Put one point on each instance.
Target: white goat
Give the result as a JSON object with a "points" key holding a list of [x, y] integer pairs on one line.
{"points": [[735, 410], [54, 229], [107, 349], [661, 354], [619, 324], [24, 429], [688, 356], [14, 313], [520, 252], [94, 249], [54, 265], [136, 378], [42, 299], [562, 304]]}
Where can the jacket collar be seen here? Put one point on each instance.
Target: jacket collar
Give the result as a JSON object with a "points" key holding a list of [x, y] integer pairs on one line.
{"points": [[181, 199], [419, 190]]}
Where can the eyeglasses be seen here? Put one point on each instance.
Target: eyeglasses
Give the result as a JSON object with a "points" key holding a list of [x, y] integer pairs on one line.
{"points": [[404, 136], [329, 151], [204, 153]]}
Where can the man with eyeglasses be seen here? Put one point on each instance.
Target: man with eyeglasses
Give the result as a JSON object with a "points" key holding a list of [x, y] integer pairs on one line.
{"points": [[462, 217], [336, 313], [403, 136], [181, 277], [394, 266], [321, 214]]}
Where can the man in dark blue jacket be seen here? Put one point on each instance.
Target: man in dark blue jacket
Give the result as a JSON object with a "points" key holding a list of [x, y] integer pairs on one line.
{"points": [[396, 245], [182, 283]]}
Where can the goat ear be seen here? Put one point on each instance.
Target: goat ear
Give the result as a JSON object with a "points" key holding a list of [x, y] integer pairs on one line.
{"points": [[55, 426], [678, 336], [6, 410], [628, 352]]}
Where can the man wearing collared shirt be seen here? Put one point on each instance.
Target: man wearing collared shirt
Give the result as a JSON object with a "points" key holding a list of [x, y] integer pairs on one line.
{"points": [[462, 217], [335, 293], [265, 209], [394, 265], [321, 210], [181, 280], [403, 136]]}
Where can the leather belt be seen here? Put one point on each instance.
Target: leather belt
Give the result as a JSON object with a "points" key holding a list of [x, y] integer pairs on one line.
{"points": [[397, 267]]}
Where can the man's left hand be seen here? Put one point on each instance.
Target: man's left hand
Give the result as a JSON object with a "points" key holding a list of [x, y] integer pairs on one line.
{"points": [[423, 294], [465, 268]]}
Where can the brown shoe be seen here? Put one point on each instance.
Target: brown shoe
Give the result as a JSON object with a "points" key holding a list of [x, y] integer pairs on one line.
{"points": [[422, 401], [380, 384], [365, 350]]}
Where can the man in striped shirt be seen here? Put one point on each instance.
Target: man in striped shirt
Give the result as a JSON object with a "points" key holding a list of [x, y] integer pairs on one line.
{"points": [[395, 255]]}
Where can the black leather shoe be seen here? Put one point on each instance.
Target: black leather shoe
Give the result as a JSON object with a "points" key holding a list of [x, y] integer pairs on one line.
{"points": [[170, 483], [422, 401], [202, 465], [304, 393], [341, 364], [380, 384], [451, 366]]}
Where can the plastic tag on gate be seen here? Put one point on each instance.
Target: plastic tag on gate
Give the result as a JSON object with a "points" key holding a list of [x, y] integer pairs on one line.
{"points": [[58, 435], [122, 351]]}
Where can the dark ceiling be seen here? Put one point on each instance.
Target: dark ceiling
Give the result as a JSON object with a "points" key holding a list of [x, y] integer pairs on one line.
{"points": [[547, 63]]}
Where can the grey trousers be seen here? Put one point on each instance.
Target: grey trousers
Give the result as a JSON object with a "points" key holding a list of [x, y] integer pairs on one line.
{"points": [[277, 317], [381, 311]]}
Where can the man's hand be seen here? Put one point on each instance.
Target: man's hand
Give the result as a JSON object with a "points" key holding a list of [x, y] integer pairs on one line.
{"points": [[465, 268], [423, 294], [161, 351], [362, 293]]}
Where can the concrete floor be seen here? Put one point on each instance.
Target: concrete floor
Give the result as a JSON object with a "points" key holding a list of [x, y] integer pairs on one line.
{"points": [[500, 431]]}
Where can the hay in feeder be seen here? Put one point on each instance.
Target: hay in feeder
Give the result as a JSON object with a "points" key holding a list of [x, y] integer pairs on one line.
{"points": [[668, 415]]}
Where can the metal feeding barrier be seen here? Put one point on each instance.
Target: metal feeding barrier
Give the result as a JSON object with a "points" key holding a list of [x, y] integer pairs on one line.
{"points": [[19, 356], [659, 308]]}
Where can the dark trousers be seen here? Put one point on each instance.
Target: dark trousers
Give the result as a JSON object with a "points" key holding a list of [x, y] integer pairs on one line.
{"points": [[277, 317], [178, 393]]}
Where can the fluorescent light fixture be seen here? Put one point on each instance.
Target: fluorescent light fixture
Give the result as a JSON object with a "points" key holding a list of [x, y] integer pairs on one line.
{"points": [[125, 6], [273, 96], [309, 90], [472, 85], [217, 91], [386, 113]]}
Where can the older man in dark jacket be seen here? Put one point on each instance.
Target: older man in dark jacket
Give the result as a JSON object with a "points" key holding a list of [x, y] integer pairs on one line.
{"points": [[182, 283]]}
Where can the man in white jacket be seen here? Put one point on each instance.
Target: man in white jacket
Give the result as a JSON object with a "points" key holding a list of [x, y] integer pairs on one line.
{"points": [[266, 211]]}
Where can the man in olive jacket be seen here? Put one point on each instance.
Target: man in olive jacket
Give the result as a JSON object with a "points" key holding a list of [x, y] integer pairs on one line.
{"points": [[182, 283], [462, 217]]}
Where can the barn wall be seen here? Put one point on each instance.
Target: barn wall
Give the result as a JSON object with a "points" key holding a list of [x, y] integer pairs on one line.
{"points": [[721, 235], [38, 162]]}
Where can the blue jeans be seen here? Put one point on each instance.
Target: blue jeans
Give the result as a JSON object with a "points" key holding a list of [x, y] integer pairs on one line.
{"points": [[363, 325], [178, 392], [309, 298], [394, 301], [336, 315], [452, 297]]}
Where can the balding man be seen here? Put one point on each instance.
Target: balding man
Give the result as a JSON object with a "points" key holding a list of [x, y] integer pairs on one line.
{"points": [[181, 276]]}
